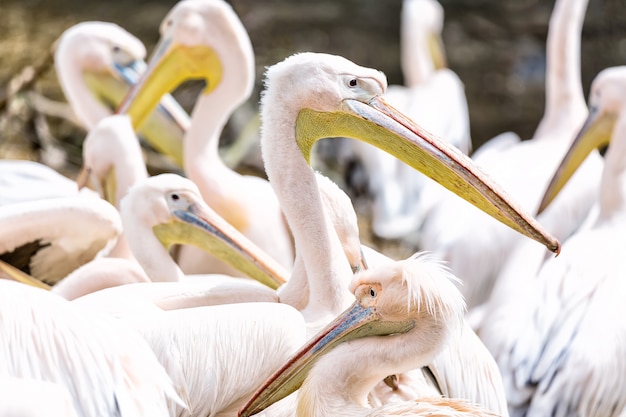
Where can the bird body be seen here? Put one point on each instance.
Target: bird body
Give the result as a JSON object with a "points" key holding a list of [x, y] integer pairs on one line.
{"points": [[432, 96], [107, 368], [22, 180], [47, 239]]}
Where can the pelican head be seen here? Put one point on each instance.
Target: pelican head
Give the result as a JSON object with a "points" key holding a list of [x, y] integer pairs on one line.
{"points": [[112, 141], [415, 297], [96, 63], [606, 100], [199, 39], [172, 206], [330, 96], [106, 57]]}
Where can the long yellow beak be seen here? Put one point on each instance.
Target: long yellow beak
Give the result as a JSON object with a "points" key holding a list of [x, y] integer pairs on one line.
{"points": [[357, 321], [170, 65], [381, 125], [8, 271], [437, 51], [164, 128], [200, 226], [595, 133]]}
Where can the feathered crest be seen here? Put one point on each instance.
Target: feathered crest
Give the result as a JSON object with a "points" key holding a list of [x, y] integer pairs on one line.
{"points": [[431, 285]]}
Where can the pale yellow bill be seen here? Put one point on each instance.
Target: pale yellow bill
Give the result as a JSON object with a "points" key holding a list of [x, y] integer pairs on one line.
{"points": [[202, 227], [8, 271], [595, 133], [169, 66]]}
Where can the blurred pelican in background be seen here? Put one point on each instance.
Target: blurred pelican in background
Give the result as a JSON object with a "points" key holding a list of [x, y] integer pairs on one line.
{"points": [[434, 97], [476, 247], [559, 339], [205, 39], [106, 367]]}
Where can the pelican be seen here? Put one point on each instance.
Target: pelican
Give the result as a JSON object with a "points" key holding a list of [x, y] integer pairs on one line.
{"points": [[341, 98], [345, 90], [156, 213], [107, 368], [557, 343], [96, 63], [434, 97], [112, 164], [401, 319], [47, 238], [476, 247], [205, 39]]}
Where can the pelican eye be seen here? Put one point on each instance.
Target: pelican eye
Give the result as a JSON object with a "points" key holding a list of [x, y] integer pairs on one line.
{"points": [[373, 292], [353, 82], [175, 197], [116, 49]]}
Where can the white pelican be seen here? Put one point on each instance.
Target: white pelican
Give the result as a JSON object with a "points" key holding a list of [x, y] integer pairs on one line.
{"points": [[205, 39], [560, 340], [96, 63], [112, 164], [402, 318], [476, 247], [345, 91], [340, 98], [49, 238], [156, 213], [107, 368], [434, 97], [166, 209]]}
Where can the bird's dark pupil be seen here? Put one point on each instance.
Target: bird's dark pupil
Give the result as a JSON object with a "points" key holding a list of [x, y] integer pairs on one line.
{"points": [[372, 292], [353, 83], [175, 197]]}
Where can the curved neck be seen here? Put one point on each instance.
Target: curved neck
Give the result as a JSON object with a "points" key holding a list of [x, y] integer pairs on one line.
{"points": [[87, 108], [565, 102], [295, 185], [149, 252], [130, 168], [203, 164]]}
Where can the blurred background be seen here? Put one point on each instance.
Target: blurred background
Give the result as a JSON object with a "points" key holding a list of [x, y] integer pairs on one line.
{"points": [[497, 47]]}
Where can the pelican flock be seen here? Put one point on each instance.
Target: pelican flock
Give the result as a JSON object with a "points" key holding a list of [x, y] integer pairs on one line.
{"points": [[201, 291]]}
